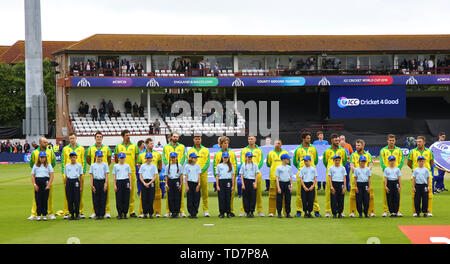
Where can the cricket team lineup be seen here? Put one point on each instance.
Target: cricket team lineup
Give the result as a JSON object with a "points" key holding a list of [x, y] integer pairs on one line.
{"points": [[136, 175]]}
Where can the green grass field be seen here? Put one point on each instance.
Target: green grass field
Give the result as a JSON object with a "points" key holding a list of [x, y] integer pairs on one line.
{"points": [[16, 200]]}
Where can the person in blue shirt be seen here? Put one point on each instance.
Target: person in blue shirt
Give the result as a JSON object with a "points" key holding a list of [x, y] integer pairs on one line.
{"points": [[147, 176], [320, 141], [73, 172], [392, 186], [308, 179], [283, 174], [337, 179], [122, 186], [191, 173], [225, 184], [421, 183], [362, 178], [248, 172], [99, 184], [173, 173], [42, 178]]}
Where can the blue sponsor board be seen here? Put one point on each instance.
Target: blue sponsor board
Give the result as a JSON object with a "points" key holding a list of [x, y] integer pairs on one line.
{"points": [[441, 152], [259, 81], [367, 102]]}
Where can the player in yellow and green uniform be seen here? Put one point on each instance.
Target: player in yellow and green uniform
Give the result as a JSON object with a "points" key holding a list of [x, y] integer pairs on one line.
{"points": [[354, 163], [258, 158], [90, 158], [273, 161], [421, 150], [132, 152], [327, 159], [51, 157], [203, 161], [180, 149], [157, 161], [81, 159], [385, 153], [224, 143], [305, 149]]}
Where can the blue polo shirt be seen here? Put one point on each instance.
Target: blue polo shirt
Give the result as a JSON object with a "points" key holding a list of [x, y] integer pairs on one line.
{"points": [[392, 174], [421, 175], [173, 171], [362, 175], [148, 171], [337, 173], [192, 172], [284, 173], [249, 170], [73, 171], [308, 173], [121, 171], [223, 172], [99, 170], [42, 172]]}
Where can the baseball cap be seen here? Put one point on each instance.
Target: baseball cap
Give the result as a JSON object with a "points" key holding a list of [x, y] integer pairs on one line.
{"points": [[99, 153], [307, 157], [42, 154], [362, 158], [285, 156], [121, 155], [193, 155], [225, 155], [173, 155], [73, 153], [392, 157], [249, 154], [336, 157], [420, 157], [148, 155]]}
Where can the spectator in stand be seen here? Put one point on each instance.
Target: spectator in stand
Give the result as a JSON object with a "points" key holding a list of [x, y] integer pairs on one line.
{"points": [[81, 109], [76, 69], [430, 64], [320, 140], [128, 106], [88, 68], [110, 108], [157, 125], [26, 147], [118, 113], [207, 65], [103, 103], [141, 110], [81, 67], [124, 69], [135, 109], [100, 64], [19, 147], [94, 113], [139, 68], [102, 113], [132, 67], [86, 109], [216, 69], [150, 128]]}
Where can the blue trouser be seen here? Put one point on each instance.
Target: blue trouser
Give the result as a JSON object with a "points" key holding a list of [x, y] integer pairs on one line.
{"points": [[239, 186], [138, 181], [347, 177], [438, 181]]}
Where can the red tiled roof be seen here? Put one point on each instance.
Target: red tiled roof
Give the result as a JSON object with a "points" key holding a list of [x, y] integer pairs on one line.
{"points": [[253, 43], [16, 52]]}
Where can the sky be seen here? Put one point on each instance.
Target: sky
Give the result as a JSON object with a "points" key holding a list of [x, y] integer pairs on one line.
{"points": [[76, 20]]}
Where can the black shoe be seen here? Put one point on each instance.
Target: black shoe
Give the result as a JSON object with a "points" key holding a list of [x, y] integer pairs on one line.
{"points": [[133, 215], [339, 215], [425, 215], [97, 217], [221, 216], [288, 216], [280, 216], [72, 217], [360, 216], [334, 216], [306, 215], [150, 216], [145, 216], [229, 215], [77, 217], [232, 215], [119, 217], [124, 216]]}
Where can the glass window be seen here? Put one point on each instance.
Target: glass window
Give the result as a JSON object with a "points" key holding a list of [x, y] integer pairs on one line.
{"points": [[364, 62], [251, 62], [297, 62], [381, 62], [443, 60], [272, 62], [223, 62], [160, 62]]}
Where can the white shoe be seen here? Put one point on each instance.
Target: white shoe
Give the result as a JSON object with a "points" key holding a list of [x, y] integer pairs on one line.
{"points": [[182, 215], [44, 218], [399, 214], [414, 215], [372, 215], [343, 215], [158, 215], [141, 216], [167, 215], [429, 215], [242, 215], [38, 218], [51, 217], [260, 214], [385, 214], [66, 216], [108, 215], [206, 214], [327, 215], [352, 215], [31, 218], [82, 216], [92, 216], [270, 215]]}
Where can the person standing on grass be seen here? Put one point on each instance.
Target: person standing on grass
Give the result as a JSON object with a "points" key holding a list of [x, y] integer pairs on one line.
{"points": [[438, 181], [336, 181], [249, 178], [148, 173], [74, 187], [173, 172], [225, 181], [258, 158], [307, 180], [192, 173], [106, 158], [122, 185], [305, 149], [392, 186], [42, 178], [385, 153], [34, 159], [413, 163], [99, 184], [283, 175], [420, 188], [362, 182]]}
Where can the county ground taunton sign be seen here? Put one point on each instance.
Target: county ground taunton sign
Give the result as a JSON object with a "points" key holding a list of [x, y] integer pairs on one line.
{"points": [[258, 81]]}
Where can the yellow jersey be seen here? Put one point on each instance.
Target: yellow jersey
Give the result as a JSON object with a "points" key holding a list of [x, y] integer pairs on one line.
{"points": [[51, 157], [65, 158], [218, 158], [330, 153], [180, 149], [204, 159], [301, 152], [354, 158], [258, 156], [156, 158], [132, 152], [273, 161], [415, 153], [386, 152], [90, 152]]}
